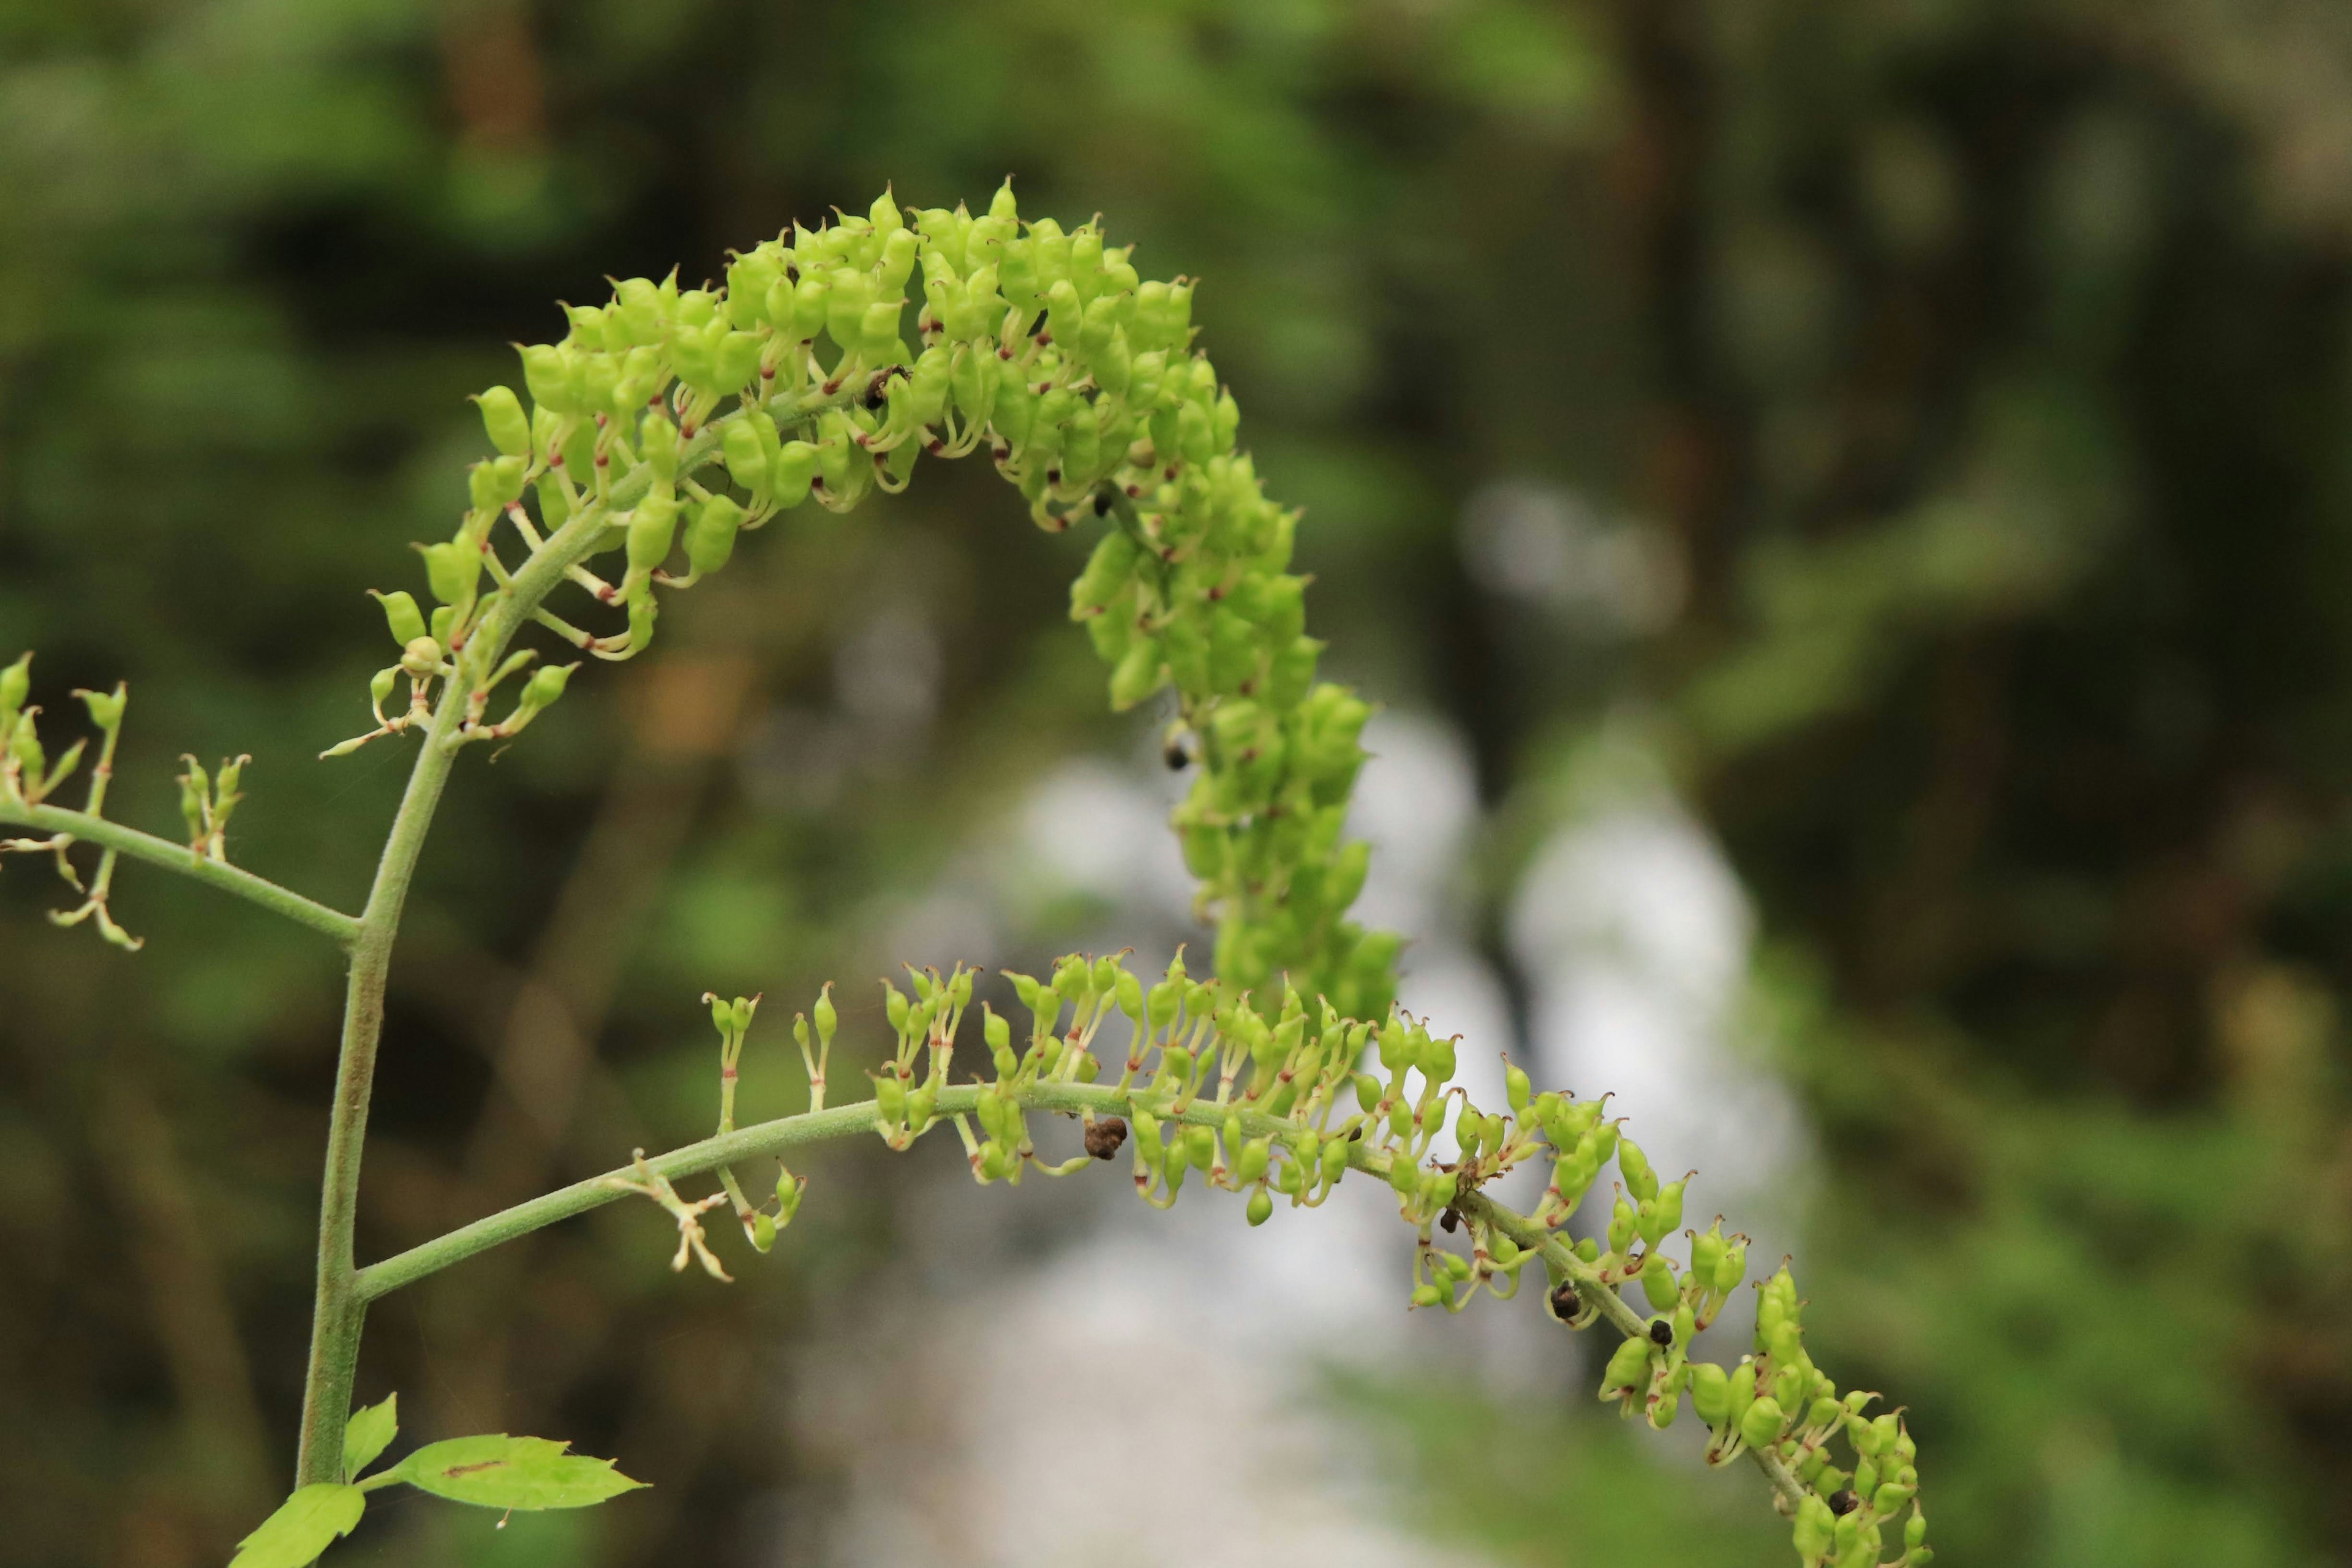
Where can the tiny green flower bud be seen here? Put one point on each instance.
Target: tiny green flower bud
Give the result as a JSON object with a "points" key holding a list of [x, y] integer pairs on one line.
{"points": [[825, 1017], [763, 1231], [1261, 1207], [893, 1006], [1427, 1295], [1914, 1531], [1404, 1176]]}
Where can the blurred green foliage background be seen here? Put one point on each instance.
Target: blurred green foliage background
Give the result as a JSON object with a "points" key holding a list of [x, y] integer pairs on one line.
{"points": [[1982, 368]]}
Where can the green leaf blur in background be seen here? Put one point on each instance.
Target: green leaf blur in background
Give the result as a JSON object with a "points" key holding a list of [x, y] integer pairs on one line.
{"points": [[1972, 378]]}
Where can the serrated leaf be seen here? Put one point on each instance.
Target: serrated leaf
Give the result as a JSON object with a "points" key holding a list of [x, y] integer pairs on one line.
{"points": [[304, 1525], [500, 1471], [368, 1433]]}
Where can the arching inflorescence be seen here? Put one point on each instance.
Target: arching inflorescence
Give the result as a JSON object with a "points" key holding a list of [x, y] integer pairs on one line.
{"points": [[1079, 379], [670, 420]]}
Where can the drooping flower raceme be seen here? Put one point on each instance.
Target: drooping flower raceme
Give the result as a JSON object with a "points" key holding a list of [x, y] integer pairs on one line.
{"points": [[668, 422]]}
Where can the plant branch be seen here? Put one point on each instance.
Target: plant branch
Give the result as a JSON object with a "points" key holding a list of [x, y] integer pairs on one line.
{"points": [[172, 856], [339, 1306], [848, 1120]]}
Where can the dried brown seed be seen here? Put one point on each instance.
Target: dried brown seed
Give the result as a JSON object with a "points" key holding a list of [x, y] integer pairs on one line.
{"points": [[1104, 1137]]}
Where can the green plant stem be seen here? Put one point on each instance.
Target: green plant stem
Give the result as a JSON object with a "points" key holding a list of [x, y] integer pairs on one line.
{"points": [[85, 828], [1069, 1099], [339, 1307]]}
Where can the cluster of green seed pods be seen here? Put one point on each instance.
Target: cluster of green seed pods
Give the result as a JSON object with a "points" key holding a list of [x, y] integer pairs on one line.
{"points": [[1077, 375], [1279, 1100]]}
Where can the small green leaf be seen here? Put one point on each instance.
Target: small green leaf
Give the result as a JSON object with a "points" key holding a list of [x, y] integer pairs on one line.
{"points": [[303, 1526], [500, 1471], [366, 1434]]}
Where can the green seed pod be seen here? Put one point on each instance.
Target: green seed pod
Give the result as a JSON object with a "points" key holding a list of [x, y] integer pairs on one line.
{"points": [[1732, 1269], [1516, 1090], [1788, 1386], [1707, 1254], [1710, 1392], [1743, 1388], [1254, 1156], [545, 685], [549, 375], [827, 1019], [1201, 1146], [1629, 1367], [890, 1098], [401, 613], [1335, 1160], [1147, 1145], [502, 416], [747, 458], [1640, 1180], [1404, 1176], [1658, 1282], [1261, 1207], [1815, 1528], [495, 483], [451, 570], [1914, 1531], [1621, 1221], [711, 537], [1368, 1093], [1824, 1411], [1427, 1295], [763, 1231], [1670, 1207], [653, 529], [1137, 675], [15, 685], [1890, 1497], [25, 747], [1455, 1265], [657, 439], [1760, 1426]]}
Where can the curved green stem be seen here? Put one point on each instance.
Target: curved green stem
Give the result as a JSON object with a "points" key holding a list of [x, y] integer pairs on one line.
{"points": [[339, 1305], [82, 826], [1070, 1099]]}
